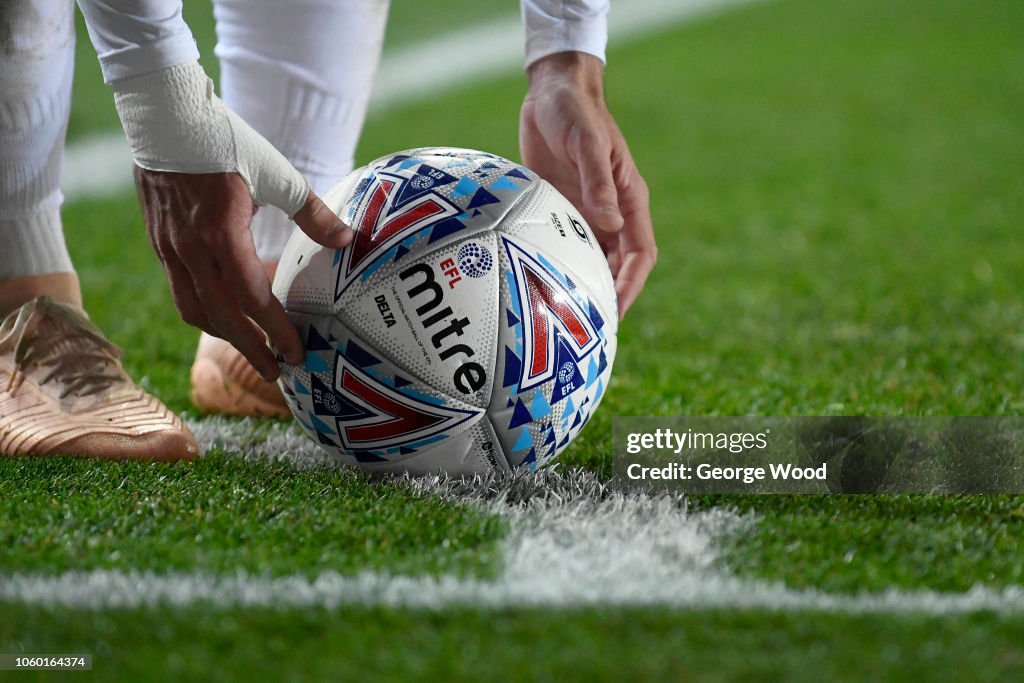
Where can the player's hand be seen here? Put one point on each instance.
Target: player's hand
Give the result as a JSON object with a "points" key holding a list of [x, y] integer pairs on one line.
{"points": [[199, 226], [568, 136]]}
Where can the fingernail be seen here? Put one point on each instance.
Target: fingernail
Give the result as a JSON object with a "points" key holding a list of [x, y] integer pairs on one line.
{"points": [[344, 234]]}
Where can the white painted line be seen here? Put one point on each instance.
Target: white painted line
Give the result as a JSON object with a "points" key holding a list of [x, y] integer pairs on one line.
{"points": [[571, 543], [101, 166]]}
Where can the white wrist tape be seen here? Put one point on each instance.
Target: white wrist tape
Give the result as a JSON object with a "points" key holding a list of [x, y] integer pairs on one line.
{"points": [[174, 122]]}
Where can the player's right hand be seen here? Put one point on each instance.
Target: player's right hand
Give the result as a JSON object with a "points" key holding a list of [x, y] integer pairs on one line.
{"points": [[201, 172], [568, 136], [199, 226]]}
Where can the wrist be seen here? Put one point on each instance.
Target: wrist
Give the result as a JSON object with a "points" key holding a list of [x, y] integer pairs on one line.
{"points": [[173, 120], [577, 70]]}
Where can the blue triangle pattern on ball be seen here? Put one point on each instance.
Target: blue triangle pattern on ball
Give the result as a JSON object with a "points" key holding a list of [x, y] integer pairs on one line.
{"points": [[504, 184], [523, 442], [315, 341], [595, 316], [360, 356], [464, 188], [324, 439], [531, 458], [395, 159], [320, 426], [513, 366], [446, 227], [482, 198], [315, 363], [539, 407], [520, 415], [366, 456]]}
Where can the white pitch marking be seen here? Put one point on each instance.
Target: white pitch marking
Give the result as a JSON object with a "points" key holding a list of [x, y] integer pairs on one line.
{"points": [[100, 166], [571, 543]]}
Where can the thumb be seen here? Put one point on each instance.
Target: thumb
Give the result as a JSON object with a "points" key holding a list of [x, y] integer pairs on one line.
{"points": [[597, 186], [321, 224]]}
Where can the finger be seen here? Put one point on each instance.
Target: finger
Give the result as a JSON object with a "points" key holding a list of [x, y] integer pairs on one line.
{"points": [[636, 266], [233, 251], [321, 224], [225, 317], [610, 244], [190, 308], [179, 280], [638, 249], [230, 324], [251, 289], [597, 184]]}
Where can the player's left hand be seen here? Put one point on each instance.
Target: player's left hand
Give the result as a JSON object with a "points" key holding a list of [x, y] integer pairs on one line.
{"points": [[568, 136]]}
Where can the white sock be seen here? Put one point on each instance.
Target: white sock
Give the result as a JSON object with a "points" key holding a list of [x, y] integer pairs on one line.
{"points": [[35, 100], [300, 73]]}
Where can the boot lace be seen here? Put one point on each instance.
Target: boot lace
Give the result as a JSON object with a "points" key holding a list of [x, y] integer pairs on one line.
{"points": [[92, 366]]}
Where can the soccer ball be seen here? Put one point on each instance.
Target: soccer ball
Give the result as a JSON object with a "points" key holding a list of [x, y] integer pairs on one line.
{"points": [[469, 327]]}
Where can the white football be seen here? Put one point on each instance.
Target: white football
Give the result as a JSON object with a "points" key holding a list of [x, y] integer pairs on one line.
{"points": [[471, 325]]}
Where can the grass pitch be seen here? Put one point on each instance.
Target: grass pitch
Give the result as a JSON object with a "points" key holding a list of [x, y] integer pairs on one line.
{"points": [[837, 192]]}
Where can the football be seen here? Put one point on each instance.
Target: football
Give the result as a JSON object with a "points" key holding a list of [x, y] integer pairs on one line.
{"points": [[469, 327]]}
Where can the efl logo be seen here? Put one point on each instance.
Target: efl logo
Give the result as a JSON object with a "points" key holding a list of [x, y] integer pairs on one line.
{"points": [[550, 313]]}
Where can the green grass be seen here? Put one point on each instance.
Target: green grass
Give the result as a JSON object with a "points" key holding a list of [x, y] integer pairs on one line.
{"points": [[868, 543], [223, 514], [837, 193], [633, 644]]}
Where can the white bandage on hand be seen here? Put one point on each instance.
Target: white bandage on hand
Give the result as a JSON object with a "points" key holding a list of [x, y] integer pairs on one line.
{"points": [[175, 122]]}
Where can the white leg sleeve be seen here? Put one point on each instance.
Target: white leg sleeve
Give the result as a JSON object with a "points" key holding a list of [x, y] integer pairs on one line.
{"points": [[300, 72], [36, 65]]}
